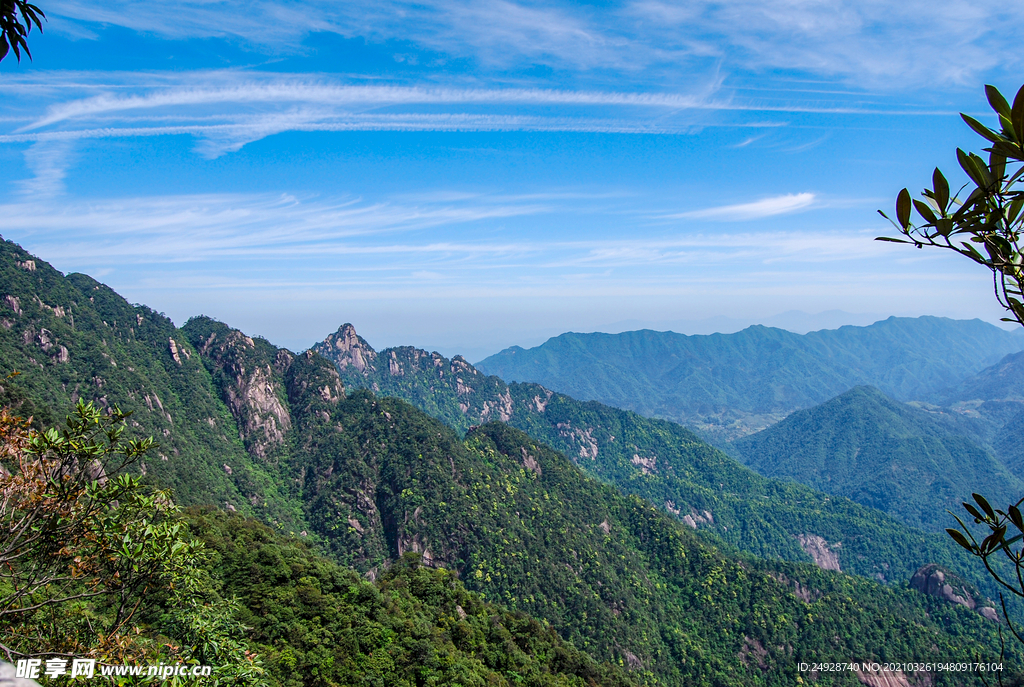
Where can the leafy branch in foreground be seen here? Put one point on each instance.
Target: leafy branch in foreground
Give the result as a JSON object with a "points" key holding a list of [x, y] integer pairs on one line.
{"points": [[996, 545], [14, 30], [82, 542], [986, 224]]}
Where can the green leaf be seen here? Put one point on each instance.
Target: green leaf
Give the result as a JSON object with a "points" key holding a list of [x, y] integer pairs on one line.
{"points": [[975, 513], [903, 208], [1014, 514], [1008, 150], [970, 170], [960, 539], [925, 211], [981, 169], [997, 101], [984, 505], [1017, 115], [1013, 209], [980, 128], [997, 163], [941, 189]]}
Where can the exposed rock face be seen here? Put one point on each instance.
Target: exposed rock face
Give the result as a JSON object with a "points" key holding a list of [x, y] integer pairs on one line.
{"points": [[582, 438], [934, 580], [753, 653], [542, 405], [480, 398], [14, 304], [531, 464], [174, 352], [327, 385], [694, 518], [819, 551], [250, 390], [346, 348], [498, 409], [648, 465], [8, 674], [254, 401]]}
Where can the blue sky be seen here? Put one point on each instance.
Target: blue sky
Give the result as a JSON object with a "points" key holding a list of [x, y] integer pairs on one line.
{"points": [[464, 176]]}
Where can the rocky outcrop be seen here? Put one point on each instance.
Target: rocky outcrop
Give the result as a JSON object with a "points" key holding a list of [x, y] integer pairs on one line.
{"points": [[9, 677], [648, 464], [819, 551], [262, 417], [753, 653], [935, 580], [248, 374], [531, 464], [346, 349], [499, 408], [314, 378], [582, 439]]}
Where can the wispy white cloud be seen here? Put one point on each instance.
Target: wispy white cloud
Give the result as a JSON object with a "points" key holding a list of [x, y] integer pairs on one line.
{"points": [[305, 89], [395, 235], [225, 110], [48, 161], [278, 264], [758, 209], [211, 227], [866, 42]]}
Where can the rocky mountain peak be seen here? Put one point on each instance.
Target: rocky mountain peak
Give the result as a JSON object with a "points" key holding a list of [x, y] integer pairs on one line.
{"points": [[248, 373], [346, 348]]}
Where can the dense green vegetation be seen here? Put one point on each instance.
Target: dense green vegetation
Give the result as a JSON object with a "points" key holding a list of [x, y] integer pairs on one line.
{"points": [[614, 576], [901, 460], [730, 384], [314, 622], [367, 480], [660, 461]]}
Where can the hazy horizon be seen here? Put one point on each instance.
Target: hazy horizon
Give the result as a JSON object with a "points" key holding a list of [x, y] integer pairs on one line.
{"points": [[473, 175]]}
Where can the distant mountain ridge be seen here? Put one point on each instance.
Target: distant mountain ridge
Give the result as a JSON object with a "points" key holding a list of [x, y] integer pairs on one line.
{"points": [[729, 385], [881, 453]]}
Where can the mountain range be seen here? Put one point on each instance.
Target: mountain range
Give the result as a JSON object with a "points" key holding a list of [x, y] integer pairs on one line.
{"points": [[652, 557], [659, 461], [730, 385]]}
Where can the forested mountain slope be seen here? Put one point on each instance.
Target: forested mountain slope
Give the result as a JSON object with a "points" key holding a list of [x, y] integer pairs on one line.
{"points": [[729, 385], [881, 453], [524, 527], [1003, 381], [657, 460], [72, 337], [369, 479], [316, 622]]}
